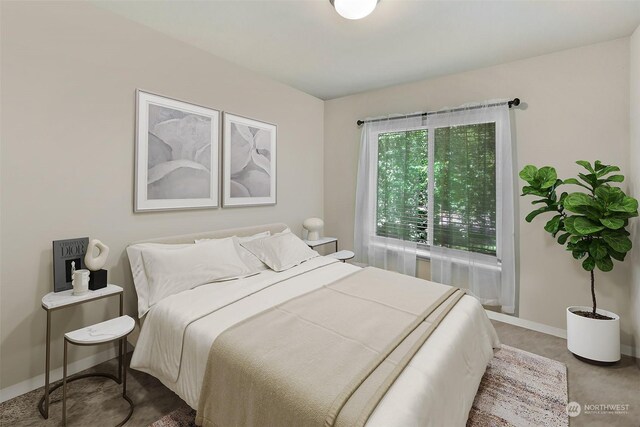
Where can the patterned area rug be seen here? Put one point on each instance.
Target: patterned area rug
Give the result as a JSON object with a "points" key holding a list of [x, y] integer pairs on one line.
{"points": [[521, 389], [518, 389]]}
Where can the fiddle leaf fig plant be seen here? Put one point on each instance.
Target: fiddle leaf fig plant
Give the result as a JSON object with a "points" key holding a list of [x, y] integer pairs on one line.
{"points": [[592, 222]]}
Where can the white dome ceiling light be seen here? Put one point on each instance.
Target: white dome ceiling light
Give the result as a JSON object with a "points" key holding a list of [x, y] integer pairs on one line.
{"points": [[354, 9]]}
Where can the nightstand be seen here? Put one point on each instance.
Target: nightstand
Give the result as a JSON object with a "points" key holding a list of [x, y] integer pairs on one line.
{"points": [[323, 241], [100, 333], [54, 301], [342, 255]]}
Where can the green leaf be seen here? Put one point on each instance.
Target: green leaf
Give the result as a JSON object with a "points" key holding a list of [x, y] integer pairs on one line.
{"points": [[563, 196], [562, 239], [618, 256], [528, 173], [609, 195], [537, 212], [584, 204], [575, 239], [586, 165], [577, 200], [577, 254], [617, 240], [582, 245], [547, 176], [527, 189], [589, 179], [628, 204], [597, 249], [576, 182], [589, 264], [615, 178], [605, 264], [598, 165], [585, 226], [612, 223], [607, 170], [570, 227], [553, 225]]}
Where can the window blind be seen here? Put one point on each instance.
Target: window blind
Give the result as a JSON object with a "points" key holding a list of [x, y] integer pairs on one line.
{"points": [[463, 193]]}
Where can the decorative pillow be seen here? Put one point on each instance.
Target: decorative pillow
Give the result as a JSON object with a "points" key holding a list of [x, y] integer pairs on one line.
{"points": [[139, 273], [251, 261], [170, 271], [280, 251]]}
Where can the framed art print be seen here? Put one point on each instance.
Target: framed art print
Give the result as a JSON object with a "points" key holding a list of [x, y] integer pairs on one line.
{"points": [[177, 146], [249, 162]]}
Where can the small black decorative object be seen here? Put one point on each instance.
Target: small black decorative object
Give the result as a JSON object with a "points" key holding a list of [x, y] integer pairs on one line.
{"points": [[66, 254], [97, 280]]}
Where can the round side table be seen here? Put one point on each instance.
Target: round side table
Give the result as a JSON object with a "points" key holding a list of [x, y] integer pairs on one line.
{"points": [[100, 333], [342, 255]]}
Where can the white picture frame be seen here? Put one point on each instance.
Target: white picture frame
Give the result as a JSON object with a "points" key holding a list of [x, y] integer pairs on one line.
{"points": [[177, 154], [249, 161]]}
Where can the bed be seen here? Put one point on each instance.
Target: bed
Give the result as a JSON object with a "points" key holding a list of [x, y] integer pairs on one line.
{"points": [[436, 387]]}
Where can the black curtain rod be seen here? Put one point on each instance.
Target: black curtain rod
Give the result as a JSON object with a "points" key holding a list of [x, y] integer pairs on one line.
{"points": [[513, 103]]}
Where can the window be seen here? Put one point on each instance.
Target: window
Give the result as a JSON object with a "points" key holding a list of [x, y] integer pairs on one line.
{"points": [[437, 186]]}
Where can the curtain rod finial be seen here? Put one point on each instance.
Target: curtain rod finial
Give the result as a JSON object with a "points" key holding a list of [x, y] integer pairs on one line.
{"points": [[360, 122], [514, 103]]}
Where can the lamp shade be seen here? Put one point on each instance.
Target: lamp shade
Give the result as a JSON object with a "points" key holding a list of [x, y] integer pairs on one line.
{"points": [[313, 227], [354, 9]]}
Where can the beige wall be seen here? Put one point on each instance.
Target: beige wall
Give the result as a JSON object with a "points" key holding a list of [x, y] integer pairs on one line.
{"points": [[69, 72], [576, 107], [635, 181]]}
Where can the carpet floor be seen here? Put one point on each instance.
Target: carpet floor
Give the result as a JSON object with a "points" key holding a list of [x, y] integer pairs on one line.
{"points": [[518, 389]]}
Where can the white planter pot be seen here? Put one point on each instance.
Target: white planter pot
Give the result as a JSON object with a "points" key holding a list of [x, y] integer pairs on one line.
{"points": [[597, 340]]}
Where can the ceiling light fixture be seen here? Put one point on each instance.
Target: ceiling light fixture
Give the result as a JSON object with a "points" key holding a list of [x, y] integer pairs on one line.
{"points": [[354, 9]]}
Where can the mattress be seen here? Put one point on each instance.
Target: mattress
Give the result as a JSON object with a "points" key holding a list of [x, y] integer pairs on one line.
{"points": [[436, 388]]}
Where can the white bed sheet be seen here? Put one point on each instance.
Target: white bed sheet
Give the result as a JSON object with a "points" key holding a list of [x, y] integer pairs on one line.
{"points": [[436, 389]]}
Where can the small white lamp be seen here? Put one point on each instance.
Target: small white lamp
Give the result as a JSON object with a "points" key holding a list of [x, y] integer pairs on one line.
{"points": [[313, 227]]}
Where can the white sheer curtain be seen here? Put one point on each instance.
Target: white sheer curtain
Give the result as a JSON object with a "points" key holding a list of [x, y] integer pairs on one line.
{"points": [[376, 244], [488, 276]]}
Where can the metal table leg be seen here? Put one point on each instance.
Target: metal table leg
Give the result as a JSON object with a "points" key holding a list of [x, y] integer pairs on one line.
{"points": [[43, 405], [120, 342], [64, 386], [124, 384], [121, 375]]}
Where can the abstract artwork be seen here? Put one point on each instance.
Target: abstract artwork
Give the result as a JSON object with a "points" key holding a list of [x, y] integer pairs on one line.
{"points": [[249, 148], [177, 147]]}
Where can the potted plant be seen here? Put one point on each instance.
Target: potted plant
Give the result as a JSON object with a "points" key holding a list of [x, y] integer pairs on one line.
{"points": [[592, 225]]}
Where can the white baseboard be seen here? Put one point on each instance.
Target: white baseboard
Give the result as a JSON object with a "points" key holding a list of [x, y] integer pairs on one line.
{"points": [[627, 350], [56, 374]]}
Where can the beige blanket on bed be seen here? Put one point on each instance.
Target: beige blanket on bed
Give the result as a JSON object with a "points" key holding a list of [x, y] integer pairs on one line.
{"points": [[325, 358]]}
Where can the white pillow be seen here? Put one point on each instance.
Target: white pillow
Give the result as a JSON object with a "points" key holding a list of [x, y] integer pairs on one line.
{"points": [[139, 273], [280, 251], [170, 271], [251, 261]]}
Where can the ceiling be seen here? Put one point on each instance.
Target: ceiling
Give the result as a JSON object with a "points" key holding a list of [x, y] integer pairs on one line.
{"points": [[307, 45]]}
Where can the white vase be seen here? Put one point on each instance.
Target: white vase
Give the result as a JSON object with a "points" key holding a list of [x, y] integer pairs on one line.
{"points": [[80, 282], [593, 339]]}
